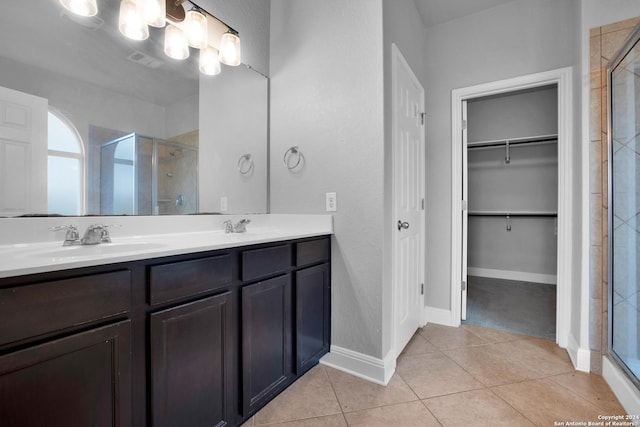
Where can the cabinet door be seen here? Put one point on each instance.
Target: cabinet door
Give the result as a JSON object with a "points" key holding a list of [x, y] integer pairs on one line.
{"points": [[313, 300], [80, 380], [191, 371], [266, 341]]}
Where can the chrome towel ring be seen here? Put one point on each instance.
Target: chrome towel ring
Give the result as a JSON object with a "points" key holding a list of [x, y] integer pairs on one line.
{"points": [[292, 157], [245, 164]]}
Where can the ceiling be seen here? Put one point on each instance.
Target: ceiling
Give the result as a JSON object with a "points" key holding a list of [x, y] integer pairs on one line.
{"points": [[434, 12]]}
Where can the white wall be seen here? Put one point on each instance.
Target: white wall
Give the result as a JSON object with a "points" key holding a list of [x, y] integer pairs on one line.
{"points": [[518, 38], [327, 98], [233, 122]]}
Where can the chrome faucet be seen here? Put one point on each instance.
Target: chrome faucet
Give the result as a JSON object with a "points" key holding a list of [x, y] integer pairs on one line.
{"points": [[71, 237], [96, 233], [239, 227]]}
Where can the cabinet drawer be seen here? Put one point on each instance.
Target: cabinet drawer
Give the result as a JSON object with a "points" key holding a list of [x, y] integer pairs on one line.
{"points": [[311, 252], [169, 282], [259, 263], [42, 308]]}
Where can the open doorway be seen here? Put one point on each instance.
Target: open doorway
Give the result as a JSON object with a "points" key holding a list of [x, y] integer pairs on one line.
{"points": [[510, 173], [560, 80]]}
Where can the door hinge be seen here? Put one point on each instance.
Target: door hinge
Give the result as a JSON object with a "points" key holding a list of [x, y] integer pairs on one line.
{"points": [[464, 125], [422, 118], [423, 203], [464, 205], [421, 288], [464, 285]]}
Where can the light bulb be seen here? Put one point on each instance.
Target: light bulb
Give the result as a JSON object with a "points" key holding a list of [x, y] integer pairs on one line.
{"points": [[155, 12], [209, 63], [230, 49], [195, 27], [131, 22], [81, 7], [175, 43]]}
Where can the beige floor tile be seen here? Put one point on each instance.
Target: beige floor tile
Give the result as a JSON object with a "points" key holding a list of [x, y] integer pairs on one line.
{"points": [[592, 388], [475, 408], [493, 335], [419, 345], [404, 414], [328, 421], [542, 355], [355, 394], [447, 338], [435, 374], [490, 368], [310, 396], [544, 402]]}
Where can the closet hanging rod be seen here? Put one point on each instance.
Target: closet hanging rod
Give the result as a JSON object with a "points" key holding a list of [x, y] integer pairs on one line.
{"points": [[521, 213], [514, 141]]}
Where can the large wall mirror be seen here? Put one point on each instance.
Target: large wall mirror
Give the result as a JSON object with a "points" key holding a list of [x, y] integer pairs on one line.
{"points": [[93, 123]]}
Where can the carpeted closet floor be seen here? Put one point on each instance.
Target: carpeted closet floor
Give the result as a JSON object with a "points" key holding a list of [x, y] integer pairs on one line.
{"points": [[519, 307]]}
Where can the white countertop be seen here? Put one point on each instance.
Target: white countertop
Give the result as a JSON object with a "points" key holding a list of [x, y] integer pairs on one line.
{"points": [[141, 238]]}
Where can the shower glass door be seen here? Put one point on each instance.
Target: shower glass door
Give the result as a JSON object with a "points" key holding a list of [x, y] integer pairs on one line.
{"points": [[624, 212]]}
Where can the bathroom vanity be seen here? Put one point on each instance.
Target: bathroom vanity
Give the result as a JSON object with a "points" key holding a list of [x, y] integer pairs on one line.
{"points": [[205, 337]]}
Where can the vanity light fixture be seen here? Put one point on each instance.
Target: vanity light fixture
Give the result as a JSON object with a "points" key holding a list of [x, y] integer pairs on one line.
{"points": [[175, 43], [209, 63], [81, 7], [196, 28], [230, 49], [131, 22], [155, 12]]}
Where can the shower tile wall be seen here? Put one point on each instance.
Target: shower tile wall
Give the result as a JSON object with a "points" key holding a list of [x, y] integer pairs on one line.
{"points": [[605, 42]]}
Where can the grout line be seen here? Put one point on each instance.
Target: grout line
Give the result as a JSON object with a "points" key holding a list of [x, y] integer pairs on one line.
{"points": [[509, 404]]}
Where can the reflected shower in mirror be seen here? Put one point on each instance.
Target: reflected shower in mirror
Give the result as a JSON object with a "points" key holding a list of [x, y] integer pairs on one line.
{"points": [[134, 126]]}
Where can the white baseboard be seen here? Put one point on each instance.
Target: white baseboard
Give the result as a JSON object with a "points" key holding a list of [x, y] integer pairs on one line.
{"points": [[622, 387], [522, 276], [439, 316], [580, 357], [363, 366]]}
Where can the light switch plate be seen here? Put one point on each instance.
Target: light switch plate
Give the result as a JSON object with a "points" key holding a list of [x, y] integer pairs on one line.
{"points": [[331, 202]]}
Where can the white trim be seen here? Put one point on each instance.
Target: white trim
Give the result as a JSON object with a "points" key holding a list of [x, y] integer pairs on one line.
{"points": [[563, 78], [360, 365], [580, 357], [439, 316], [622, 387], [522, 276]]}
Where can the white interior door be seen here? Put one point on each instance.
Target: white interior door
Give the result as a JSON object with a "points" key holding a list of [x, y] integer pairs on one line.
{"points": [[464, 213], [23, 153], [408, 196]]}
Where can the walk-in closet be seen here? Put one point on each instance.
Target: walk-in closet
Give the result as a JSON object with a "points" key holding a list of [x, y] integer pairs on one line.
{"points": [[511, 187]]}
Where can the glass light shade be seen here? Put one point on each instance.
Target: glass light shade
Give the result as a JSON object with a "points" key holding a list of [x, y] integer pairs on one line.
{"points": [[155, 12], [131, 22], [175, 43], [81, 7], [230, 49], [196, 29], [209, 63]]}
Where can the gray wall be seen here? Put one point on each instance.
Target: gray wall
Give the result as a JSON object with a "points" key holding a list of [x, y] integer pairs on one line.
{"points": [[327, 98], [518, 38]]}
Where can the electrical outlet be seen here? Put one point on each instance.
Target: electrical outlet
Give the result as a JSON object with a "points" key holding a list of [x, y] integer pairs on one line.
{"points": [[331, 202], [223, 204]]}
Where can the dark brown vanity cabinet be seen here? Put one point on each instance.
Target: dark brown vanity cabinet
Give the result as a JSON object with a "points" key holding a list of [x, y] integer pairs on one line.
{"points": [[203, 339]]}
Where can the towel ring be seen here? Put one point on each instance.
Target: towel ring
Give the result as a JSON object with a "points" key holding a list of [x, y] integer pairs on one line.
{"points": [[293, 151], [245, 164]]}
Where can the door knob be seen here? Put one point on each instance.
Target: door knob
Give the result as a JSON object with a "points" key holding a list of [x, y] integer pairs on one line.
{"points": [[402, 225]]}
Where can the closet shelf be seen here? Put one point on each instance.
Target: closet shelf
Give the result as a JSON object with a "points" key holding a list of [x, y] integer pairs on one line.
{"points": [[541, 139], [514, 213]]}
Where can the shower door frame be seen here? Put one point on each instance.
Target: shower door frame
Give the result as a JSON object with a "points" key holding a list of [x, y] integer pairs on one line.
{"points": [[632, 40]]}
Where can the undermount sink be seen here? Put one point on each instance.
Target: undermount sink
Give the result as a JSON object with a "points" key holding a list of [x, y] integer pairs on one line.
{"points": [[93, 250]]}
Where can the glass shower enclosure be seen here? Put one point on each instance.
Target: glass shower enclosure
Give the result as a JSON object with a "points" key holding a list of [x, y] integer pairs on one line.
{"points": [[624, 208], [148, 176]]}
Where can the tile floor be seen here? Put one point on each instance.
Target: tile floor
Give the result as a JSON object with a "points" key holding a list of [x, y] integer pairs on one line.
{"points": [[467, 376]]}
